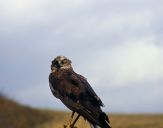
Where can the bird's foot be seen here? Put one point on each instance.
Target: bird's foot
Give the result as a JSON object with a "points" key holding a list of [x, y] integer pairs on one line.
{"points": [[69, 126]]}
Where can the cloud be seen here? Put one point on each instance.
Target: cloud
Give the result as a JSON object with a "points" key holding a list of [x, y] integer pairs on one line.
{"points": [[116, 45], [129, 62]]}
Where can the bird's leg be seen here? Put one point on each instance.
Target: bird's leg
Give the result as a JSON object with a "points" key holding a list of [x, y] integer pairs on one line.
{"points": [[76, 119], [69, 123]]}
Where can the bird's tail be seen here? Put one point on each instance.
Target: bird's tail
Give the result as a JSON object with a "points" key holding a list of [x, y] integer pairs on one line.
{"points": [[93, 125], [104, 120]]}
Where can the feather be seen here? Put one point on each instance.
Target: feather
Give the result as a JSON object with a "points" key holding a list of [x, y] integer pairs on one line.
{"points": [[76, 93]]}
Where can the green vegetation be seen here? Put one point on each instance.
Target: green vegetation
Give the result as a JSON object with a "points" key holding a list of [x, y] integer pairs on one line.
{"points": [[14, 115]]}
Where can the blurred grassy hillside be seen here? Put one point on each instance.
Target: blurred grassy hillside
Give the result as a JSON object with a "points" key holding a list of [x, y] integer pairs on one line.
{"points": [[15, 115]]}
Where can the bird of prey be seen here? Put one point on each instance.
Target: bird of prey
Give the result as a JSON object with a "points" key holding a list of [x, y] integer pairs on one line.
{"points": [[76, 93]]}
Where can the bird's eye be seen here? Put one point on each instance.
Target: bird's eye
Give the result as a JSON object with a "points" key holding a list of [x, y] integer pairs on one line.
{"points": [[63, 61]]}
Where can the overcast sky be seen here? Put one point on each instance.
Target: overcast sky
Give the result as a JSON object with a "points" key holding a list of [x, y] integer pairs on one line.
{"points": [[117, 45]]}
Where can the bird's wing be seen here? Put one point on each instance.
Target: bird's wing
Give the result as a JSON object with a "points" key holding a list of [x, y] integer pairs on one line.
{"points": [[80, 109], [72, 85], [68, 100], [89, 101], [79, 79]]}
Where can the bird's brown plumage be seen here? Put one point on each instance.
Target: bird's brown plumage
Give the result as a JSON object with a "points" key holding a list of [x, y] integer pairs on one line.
{"points": [[76, 93]]}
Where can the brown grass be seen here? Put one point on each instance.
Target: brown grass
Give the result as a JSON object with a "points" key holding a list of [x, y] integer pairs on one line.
{"points": [[14, 115]]}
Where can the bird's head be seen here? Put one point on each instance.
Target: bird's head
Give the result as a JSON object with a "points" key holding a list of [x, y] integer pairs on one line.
{"points": [[61, 62]]}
